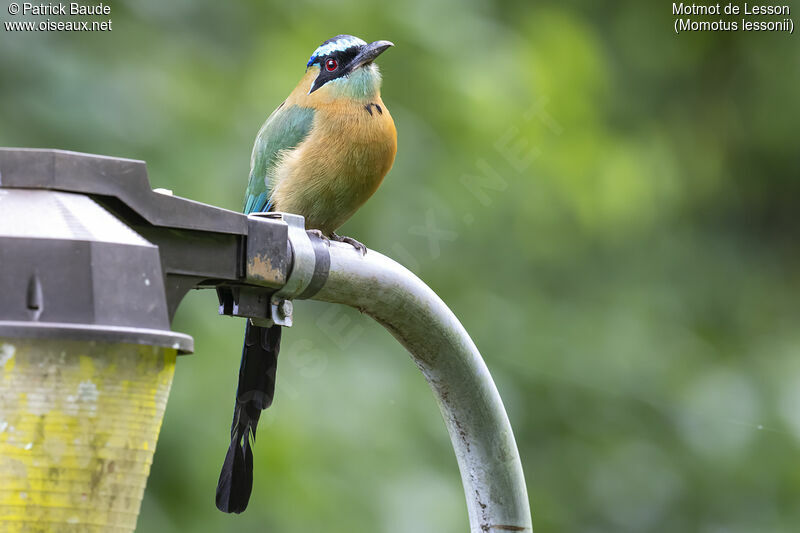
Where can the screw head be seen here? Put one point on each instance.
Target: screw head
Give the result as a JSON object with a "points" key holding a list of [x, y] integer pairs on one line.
{"points": [[285, 308]]}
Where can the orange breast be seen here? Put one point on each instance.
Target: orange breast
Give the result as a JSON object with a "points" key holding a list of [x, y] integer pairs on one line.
{"points": [[341, 163]]}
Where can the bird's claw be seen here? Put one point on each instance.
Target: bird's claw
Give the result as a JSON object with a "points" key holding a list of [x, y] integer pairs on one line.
{"points": [[352, 242], [320, 235]]}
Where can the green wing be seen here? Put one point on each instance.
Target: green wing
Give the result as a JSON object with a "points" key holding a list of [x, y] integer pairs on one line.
{"points": [[285, 128]]}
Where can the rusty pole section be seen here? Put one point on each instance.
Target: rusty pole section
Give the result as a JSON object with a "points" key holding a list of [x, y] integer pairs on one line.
{"points": [[491, 471]]}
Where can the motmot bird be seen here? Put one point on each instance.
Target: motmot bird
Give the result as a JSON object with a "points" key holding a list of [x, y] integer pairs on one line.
{"points": [[321, 154]]}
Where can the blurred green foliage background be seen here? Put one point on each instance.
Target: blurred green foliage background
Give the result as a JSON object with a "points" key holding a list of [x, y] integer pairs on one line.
{"points": [[610, 208]]}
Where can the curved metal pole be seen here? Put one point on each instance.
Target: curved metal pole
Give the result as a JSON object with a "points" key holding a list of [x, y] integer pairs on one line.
{"points": [[481, 434]]}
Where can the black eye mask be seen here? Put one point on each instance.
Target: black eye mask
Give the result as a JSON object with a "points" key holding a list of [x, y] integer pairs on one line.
{"points": [[344, 66]]}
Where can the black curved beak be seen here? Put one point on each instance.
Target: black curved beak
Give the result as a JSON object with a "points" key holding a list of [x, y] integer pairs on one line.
{"points": [[369, 52]]}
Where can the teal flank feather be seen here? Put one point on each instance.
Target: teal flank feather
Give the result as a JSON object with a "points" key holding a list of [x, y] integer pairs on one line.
{"points": [[284, 130]]}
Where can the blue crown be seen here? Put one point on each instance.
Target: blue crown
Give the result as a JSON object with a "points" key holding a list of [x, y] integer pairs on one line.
{"points": [[336, 44]]}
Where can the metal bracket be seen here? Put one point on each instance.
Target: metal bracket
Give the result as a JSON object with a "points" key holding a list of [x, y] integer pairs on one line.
{"points": [[299, 274], [255, 304], [303, 258]]}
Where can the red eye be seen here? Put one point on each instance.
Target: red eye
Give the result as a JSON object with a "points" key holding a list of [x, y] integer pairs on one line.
{"points": [[331, 65]]}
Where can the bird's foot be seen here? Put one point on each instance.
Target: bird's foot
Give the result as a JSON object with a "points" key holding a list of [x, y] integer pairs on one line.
{"points": [[351, 241], [320, 235]]}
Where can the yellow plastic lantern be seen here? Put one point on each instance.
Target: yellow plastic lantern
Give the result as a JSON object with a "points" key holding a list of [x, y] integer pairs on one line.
{"points": [[79, 423]]}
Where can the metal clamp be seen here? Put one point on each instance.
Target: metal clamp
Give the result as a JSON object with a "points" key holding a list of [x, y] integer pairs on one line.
{"points": [[302, 269]]}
